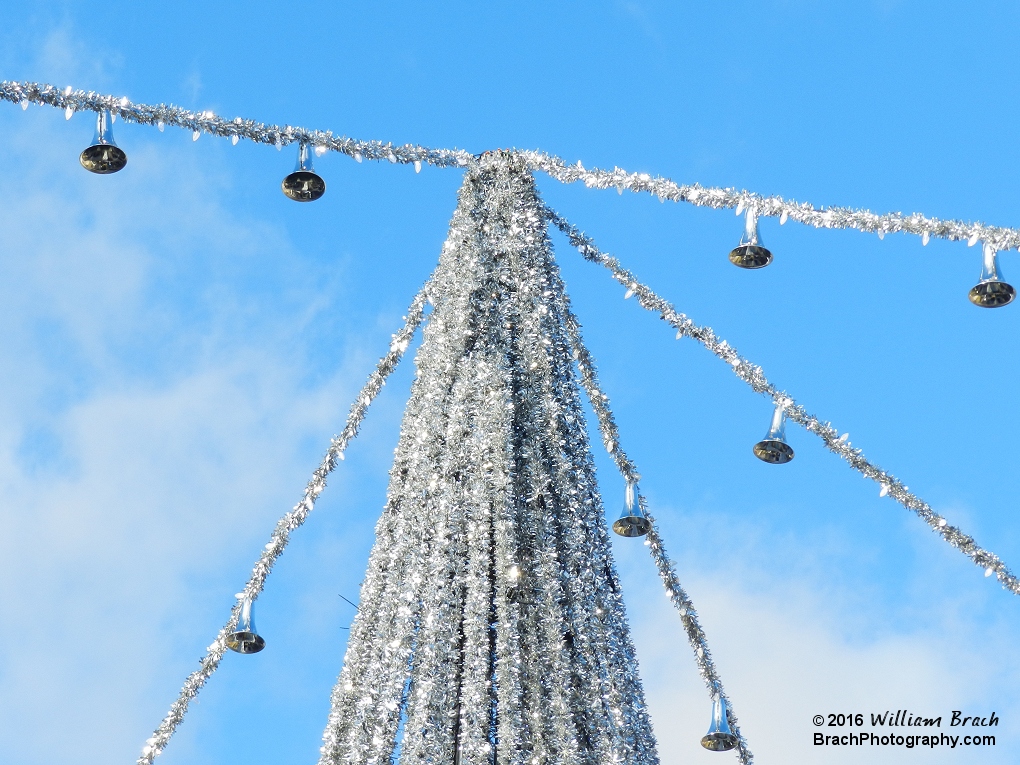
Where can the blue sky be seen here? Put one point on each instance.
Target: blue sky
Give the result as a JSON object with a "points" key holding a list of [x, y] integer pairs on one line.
{"points": [[180, 341]]}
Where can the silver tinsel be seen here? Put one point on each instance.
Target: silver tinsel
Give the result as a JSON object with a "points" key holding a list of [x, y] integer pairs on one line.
{"points": [[205, 122], [997, 237], [198, 123], [667, 572], [490, 627], [755, 377], [287, 524]]}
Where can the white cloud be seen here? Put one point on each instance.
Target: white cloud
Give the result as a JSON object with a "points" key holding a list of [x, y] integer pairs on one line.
{"points": [[156, 417], [788, 649]]}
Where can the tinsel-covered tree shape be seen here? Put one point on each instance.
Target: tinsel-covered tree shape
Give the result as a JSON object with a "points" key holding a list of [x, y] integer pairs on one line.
{"points": [[491, 628]]}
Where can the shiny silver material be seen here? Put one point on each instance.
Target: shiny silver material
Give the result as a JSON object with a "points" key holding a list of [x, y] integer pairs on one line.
{"points": [[719, 737], [103, 156], [750, 253], [773, 448], [304, 184], [632, 521], [991, 291], [514, 590], [244, 638]]}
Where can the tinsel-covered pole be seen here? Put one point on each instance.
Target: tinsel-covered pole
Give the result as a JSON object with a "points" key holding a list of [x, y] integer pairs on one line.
{"points": [[491, 629], [291, 521], [754, 376]]}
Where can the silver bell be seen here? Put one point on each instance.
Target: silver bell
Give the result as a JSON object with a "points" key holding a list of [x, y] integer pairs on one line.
{"points": [[632, 521], [104, 156], [719, 737], [244, 638], [991, 291], [304, 184], [750, 253], [773, 448]]}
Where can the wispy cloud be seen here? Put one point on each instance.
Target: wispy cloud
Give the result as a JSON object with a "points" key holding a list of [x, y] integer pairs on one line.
{"points": [[791, 648], [640, 14], [156, 416]]}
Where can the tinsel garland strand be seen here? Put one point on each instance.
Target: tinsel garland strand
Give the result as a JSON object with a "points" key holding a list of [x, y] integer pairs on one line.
{"points": [[755, 377], [576, 615], [667, 572], [287, 524], [619, 687], [161, 115], [998, 237], [413, 561]]}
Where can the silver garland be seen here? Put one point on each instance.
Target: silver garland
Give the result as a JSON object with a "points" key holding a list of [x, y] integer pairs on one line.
{"points": [[667, 572], [998, 237], [286, 525], [205, 122], [753, 375], [483, 564], [490, 628]]}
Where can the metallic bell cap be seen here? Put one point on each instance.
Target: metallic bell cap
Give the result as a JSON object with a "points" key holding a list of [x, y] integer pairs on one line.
{"points": [[719, 737], [773, 448], [991, 291], [304, 184], [750, 253], [632, 521], [244, 638], [103, 156]]}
